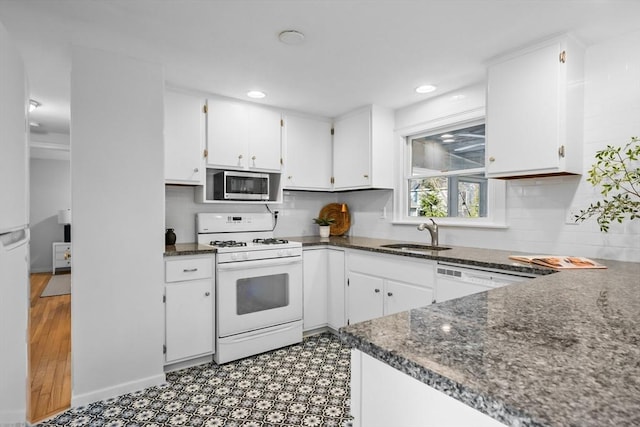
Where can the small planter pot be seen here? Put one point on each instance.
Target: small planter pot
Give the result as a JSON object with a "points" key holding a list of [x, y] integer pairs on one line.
{"points": [[325, 230]]}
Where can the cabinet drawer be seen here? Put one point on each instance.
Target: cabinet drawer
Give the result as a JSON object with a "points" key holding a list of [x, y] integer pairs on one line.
{"points": [[188, 269], [61, 249]]}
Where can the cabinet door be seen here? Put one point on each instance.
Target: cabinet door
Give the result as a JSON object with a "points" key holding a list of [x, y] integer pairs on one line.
{"points": [[315, 269], [189, 319], [352, 150], [365, 297], [400, 296], [227, 134], [184, 139], [308, 159], [336, 316], [264, 138], [523, 113]]}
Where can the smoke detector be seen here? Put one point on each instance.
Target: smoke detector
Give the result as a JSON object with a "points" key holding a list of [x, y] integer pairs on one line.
{"points": [[291, 37]]}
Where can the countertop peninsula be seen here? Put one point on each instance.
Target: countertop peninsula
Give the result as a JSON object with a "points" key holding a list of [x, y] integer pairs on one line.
{"points": [[560, 350]]}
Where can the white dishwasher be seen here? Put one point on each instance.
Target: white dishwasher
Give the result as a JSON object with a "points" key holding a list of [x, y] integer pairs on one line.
{"points": [[455, 281]]}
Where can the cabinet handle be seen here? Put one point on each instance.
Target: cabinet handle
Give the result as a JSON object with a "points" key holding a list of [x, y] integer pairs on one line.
{"points": [[492, 159], [377, 290], [389, 294], [189, 270], [206, 294], [289, 177], [366, 176], [434, 301]]}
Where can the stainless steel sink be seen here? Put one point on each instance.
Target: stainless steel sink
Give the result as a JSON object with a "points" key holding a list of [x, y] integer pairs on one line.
{"points": [[411, 247]]}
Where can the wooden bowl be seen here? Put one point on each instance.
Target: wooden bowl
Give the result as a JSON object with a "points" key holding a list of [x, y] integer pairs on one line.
{"points": [[339, 212]]}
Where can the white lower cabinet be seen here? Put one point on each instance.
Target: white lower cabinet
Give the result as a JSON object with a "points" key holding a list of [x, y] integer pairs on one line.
{"points": [[380, 285], [382, 396], [324, 295], [315, 271], [189, 308]]}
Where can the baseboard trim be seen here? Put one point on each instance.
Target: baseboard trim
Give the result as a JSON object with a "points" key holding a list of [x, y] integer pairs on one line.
{"points": [[117, 390]]}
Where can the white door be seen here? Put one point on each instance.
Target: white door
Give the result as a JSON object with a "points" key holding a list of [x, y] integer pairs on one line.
{"points": [[400, 296], [523, 115], [352, 150], [315, 268], [189, 319], [336, 316], [227, 134], [264, 137], [365, 297], [184, 138], [258, 294], [308, 161]]}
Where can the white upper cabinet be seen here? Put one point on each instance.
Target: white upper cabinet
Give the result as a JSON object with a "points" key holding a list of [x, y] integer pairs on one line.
{"points": [[242, 136], [363, 149], [184, 138], [535, 111], [308, 146]]}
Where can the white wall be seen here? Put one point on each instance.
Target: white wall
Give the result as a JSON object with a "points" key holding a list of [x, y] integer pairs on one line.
{"points": [[294, 218], [50, 192], [117, 203], [536, 208]]}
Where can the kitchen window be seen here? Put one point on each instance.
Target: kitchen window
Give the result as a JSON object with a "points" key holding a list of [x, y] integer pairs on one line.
{"points": [[445, 176]]}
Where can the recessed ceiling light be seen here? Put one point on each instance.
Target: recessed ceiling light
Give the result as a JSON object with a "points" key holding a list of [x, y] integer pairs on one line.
{"points": [[34, 124], [33, 104], [425, 88], [458, 97], [446, 135], [256, 94], [448, 140], [291, 37]]}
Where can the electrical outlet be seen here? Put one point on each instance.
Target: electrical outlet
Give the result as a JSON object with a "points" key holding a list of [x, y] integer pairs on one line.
{"points": [[570, 215]]}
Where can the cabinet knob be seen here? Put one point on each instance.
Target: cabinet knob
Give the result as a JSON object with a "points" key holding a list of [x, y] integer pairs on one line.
{"points": [[434, 301], [240, 157], [196, 170], [492, 159], [206, 294], [253, 158], [289, 177], [389, 294], [377, 290]]}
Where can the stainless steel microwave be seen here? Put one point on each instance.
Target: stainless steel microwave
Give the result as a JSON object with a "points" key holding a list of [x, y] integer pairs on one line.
{"points": [[234, 185]]}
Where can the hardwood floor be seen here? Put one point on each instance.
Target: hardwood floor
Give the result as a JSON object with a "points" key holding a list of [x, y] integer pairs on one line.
{"points": [[49, 351]]}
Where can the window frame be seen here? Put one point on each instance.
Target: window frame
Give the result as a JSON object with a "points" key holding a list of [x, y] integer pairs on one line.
{"points": [[496, 189]]}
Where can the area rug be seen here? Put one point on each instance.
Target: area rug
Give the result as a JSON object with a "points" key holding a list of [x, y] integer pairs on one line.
{"points": [[57, 285]]}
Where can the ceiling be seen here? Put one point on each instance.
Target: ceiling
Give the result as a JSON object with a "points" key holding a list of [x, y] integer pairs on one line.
{"points": [[355, 52]]}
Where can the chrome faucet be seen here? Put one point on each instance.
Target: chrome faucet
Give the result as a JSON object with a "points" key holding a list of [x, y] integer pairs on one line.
{"points": [[433, 230]]}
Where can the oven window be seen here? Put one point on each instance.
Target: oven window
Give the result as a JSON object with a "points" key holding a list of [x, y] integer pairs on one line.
{"points": [[261, 293]]}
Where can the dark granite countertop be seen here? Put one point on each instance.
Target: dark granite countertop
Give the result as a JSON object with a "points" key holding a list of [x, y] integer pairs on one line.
{"points": [[188, 249], [561, 350]]}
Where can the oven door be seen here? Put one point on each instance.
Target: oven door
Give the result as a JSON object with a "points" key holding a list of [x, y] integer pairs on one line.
{"points": [[257, 294]]}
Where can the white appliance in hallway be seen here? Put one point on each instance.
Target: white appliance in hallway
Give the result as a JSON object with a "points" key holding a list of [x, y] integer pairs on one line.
{"points": [[258, 284], [14, 234]]}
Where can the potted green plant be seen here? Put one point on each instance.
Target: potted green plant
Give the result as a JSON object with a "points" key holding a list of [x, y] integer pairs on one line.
{"points": [[324, 224], [617, 172]]}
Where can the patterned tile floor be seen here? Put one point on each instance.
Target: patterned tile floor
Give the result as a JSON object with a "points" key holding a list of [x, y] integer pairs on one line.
{"points": [[301, 385]]}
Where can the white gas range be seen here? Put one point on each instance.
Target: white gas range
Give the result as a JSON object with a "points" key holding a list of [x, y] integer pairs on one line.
{"points": [[258, 284]]}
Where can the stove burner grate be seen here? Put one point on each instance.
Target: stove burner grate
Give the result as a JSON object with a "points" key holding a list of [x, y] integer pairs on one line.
{"points": [[227, 243], [271, 241]]}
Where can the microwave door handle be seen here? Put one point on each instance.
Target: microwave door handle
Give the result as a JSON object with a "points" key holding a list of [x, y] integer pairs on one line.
{"points": [[243, 265]]}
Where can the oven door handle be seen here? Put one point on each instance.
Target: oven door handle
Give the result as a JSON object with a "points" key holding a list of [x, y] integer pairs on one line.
{"points": [[243, 265]]}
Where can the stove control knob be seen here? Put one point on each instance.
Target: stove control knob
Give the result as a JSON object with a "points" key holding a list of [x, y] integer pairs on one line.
{"points": [[281, 253], [245, 255], [234, 257]]}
